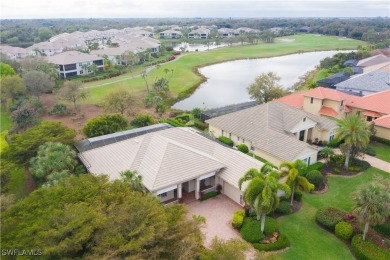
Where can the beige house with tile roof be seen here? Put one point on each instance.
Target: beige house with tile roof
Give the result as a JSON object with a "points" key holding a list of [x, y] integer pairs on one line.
{"points": [[172, 161], [275, 131]]}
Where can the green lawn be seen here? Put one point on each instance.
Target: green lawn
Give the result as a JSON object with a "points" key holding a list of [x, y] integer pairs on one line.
{"points": [[308, 240], [382, 151], [184, 77]]}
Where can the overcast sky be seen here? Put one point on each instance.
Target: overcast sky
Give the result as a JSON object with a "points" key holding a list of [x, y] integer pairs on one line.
{"points": [[188, 8]]}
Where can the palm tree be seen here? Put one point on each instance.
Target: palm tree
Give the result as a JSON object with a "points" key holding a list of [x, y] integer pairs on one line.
{"points": [[85, 68], [355, 133], [295, 178], [134, 179], [327, 152], [370, 205], [261, 192]]}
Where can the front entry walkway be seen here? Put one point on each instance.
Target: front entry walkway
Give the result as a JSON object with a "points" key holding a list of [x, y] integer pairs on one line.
{"points": [[218, 212]]}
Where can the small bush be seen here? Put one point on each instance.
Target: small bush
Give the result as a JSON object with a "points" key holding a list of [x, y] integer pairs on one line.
{"points": [[344, 230], [105, 124], [142, 120], [184, 117], [364, 165], [328, 217], [336, 170], [283, 208], [281, 243], [209, 195], [370, 151], [315, 177], [271, 226], [315, 166], [200, 125], [243, 148], [226, 140], [59, 109], [337, 160], [298, 195], [238, 218], [383, 229], [367, 249], [174, 122], [250, 230], [354, 169], [334, 143]]}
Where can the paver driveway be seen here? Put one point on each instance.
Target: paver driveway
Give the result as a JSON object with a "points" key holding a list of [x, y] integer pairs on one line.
{"points": [[218, 212]]}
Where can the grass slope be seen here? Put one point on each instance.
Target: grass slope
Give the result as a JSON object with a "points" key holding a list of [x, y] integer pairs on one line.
{"points": [[308, 240], [382, 151], [184, 76]]}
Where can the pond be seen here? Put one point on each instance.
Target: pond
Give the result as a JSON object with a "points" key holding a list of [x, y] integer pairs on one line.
{"points": [[196, 46], [227, 82]]}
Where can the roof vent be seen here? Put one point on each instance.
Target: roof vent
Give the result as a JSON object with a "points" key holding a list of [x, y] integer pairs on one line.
{"points": [[136, 140]]}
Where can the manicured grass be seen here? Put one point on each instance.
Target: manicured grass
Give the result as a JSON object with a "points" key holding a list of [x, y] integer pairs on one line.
{"points": [[184, 77], [308, 240], [382, 151], [5, 120]]}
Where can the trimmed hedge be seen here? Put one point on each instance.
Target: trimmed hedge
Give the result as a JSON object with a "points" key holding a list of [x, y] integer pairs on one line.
{"points": [[142, 120], [344, 230], [281, 243], [238, 218], [200, 125], [184, 117], [315, 167], [328, 217], [315, 177], [209, 195], [251, 231], [174, 123], [283, 208], [334, 143], [226, 140], [381, 140], [383, 229], [370, 151], [367, 249], [243, 148], [363, 165], [271, 226]]}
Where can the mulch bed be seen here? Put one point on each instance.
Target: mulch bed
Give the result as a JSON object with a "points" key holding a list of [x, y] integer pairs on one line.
{"points": [[326, 170], [296, 207], [321, 189]]}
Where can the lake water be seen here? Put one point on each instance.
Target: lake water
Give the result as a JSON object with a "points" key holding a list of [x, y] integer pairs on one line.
{"points": [[227, 82], [191, 47]]}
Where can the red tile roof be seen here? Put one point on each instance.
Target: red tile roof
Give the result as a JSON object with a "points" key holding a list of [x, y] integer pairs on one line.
{"points": [[326, 93], [347, 109], [295, 100], [378, 102], [383, 121], [328, 111], [371, 113]]}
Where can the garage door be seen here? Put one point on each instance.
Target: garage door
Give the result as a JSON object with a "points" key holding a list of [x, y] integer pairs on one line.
{"points": [[232, 192]]}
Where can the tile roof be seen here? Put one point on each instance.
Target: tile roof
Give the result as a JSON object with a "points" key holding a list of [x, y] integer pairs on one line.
{"points": [[374, 60], [294, 99], [268, 127], [70, 57], [371, 113], [326, 93], [373, 81], [383, 66], [383, 121], [333, 79], [328, 111], [378, 102], [168, 157]]}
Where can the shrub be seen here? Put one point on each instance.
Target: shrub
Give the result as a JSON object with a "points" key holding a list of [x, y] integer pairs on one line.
{"points": [[271, 226], [226, 140], [281, 243], [315, 177], [105, 124], [283, 208], [174, 122], [383, 229], [200, 125], [381, 140], [59, 109], [370, 151], [209, 195], [367, 249], [336, 170], [328, 217], [298, 195], [250, 230], [344, 230], [364, 165], [334, 143], [184, 117], [142, 120], [315, 166], [238, 218], [354, 169], [337, 160], [243, 148]]}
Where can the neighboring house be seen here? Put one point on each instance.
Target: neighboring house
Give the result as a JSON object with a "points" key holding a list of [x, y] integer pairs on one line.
{"points": [[367, 83], [247, 30], [350, 63], [382, 127], [45, 49], [115, 54], [74, 63], [173, 162], [332, 80], [374, 60], [227, 33], [275, 131], [170, 34], [201, 33], [14, 52], [219, 111]]}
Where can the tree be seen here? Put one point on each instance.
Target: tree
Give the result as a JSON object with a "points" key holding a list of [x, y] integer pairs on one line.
{"points": [[118, 101], [94, 68], [94, 218], [129, 58], [12, 87], [370, 205], [38, 82], [266, 88], [32, 63], [142, 120], [72, 91], [53, 158], [355, 132], [326, 153], [105, 124], [221, 250], [85, 68], [144, 75], [261, 192], [134, 179], [6, 70], [24, 146], [295, 179], [24, 116]]}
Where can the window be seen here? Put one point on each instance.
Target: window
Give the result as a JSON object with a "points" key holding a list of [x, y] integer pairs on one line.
{"points": [[302, 135], [252, 148], [222, 132], [307, 161], [369, 118], [243, 140], [230, 135], [342, 102], [162, 195], [322, 102], [311, 100], [238, 138], [304, 119], [331, 135]]}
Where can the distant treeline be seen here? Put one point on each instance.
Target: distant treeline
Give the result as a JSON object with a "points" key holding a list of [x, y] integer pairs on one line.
{"points": [[22, 32]]}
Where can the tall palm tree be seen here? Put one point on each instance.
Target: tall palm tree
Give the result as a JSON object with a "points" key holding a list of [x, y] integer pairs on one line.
{"points": [[134, 179], [355, 133], [295, 179], [261, 192], [370, 205]]}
